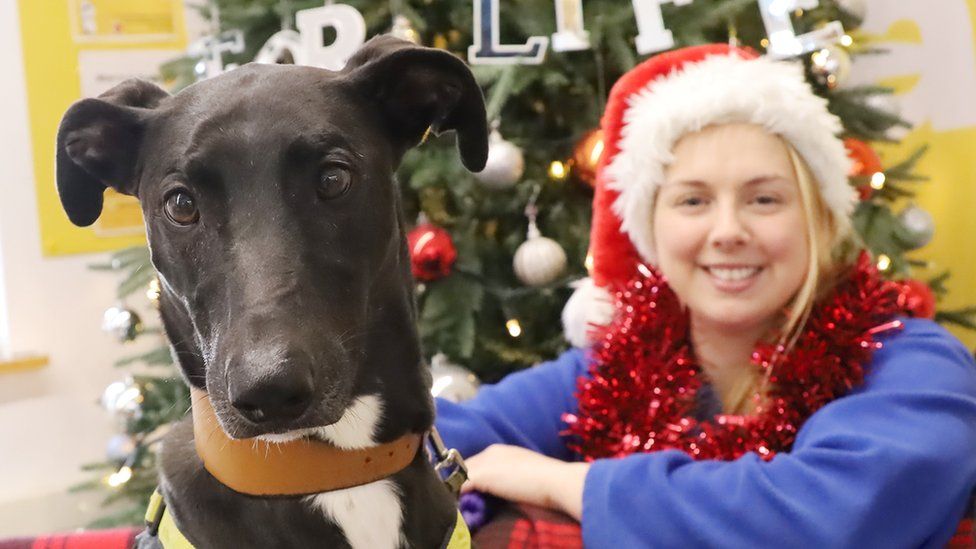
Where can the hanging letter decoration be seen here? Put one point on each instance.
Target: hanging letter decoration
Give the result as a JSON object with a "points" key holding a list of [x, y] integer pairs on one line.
{"points": [[283, 45], [570, 34], [783, 41], [487, 50], [652, 36], [350, 29]]}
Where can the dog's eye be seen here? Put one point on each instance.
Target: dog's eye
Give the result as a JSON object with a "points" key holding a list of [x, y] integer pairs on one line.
{"points": [[334, 181], [181, 208]]}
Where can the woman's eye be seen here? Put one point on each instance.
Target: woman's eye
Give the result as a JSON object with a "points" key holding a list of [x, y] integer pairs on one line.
{"points": [[334, 181], [181, 208], [766, 200], [691, 201]]}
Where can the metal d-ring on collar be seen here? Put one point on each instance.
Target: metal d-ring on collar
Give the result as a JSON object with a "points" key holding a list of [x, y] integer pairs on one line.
{"points": [[449, 460]]}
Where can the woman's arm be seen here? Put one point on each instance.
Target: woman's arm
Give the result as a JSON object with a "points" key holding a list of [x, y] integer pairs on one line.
{"points": [[891, 465], [525, 410]]}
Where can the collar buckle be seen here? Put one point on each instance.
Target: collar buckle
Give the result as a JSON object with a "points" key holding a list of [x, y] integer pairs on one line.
{"points": [[449, 463]]}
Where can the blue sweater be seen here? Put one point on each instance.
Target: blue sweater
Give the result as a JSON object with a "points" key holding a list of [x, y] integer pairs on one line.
{"points": [[892, 464]]}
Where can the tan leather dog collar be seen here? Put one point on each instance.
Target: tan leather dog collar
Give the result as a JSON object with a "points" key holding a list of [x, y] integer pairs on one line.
{"points": [[299, 467]]}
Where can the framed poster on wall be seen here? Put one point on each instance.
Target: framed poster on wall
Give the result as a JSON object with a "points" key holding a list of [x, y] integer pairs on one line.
{"points": [[124, 21]]}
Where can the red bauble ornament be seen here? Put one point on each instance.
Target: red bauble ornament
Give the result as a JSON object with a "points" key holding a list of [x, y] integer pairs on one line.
{"points": [[865, 163], [432, 252], [916, 298], [586, 156]]}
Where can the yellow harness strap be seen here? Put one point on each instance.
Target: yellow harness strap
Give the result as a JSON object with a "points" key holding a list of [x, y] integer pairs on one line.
{"points": [[157, 517], [460, 537], [170, 536]]}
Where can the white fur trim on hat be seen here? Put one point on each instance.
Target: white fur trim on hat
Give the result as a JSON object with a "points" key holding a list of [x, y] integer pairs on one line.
{"points": [[722, 89], [589, 306]]}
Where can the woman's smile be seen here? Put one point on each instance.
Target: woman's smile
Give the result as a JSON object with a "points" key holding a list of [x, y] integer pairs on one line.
{"points": [[733, 278]]}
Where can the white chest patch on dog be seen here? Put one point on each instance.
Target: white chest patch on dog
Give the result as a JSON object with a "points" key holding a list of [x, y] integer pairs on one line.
{"points": [[370, 515]]}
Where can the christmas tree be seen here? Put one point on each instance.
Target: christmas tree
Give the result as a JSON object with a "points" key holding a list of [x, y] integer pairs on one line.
{"points": [[494, 253]]}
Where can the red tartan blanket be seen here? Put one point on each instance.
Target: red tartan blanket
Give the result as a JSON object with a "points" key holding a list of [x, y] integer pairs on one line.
{"points": [[514, 527], [519, 526], [119, 538]]}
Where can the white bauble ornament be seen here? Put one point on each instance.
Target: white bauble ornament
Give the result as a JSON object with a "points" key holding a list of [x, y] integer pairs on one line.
{"points": [[539, 260], [122, 322], [919, 227], [505, 164], [450, 381]]}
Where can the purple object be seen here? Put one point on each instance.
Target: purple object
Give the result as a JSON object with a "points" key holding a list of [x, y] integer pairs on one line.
{"points": [[474, 509]]}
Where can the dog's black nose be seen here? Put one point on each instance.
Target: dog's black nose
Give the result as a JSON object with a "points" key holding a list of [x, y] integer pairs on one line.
{"points": [[283, 396]]}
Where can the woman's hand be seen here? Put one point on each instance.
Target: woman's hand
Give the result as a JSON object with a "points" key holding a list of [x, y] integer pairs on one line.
{"points": [[521, 475]]}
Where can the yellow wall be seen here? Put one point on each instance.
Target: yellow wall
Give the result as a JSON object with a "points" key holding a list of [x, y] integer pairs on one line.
{"points": [[55, 39], [932, 64]]}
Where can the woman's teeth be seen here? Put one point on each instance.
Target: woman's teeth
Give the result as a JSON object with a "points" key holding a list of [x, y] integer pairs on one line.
{"points": [[733, 275]]}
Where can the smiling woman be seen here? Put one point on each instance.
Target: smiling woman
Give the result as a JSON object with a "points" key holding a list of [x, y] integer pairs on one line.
{"points": [[730, 235], [737, 226], [744, 376]]}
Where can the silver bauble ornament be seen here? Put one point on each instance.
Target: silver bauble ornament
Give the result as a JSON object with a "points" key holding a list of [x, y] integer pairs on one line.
{"points": [[120, 447], [123, 399], [450, 381], [505, 164], [112, 393], [919, 227], [539, 260], [857, 8], [403, 29], [831, 66], [122, 322]]}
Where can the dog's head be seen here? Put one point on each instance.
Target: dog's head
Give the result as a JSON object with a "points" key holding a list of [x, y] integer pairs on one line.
{"points": [[274, 223]]}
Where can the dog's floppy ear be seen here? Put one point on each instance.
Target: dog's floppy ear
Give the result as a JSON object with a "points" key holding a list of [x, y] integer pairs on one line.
{"points": [[420, 88], [97, 147]]}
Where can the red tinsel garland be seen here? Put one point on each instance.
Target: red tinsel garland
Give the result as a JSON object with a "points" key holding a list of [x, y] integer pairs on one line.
{"points": [[641, 395]]}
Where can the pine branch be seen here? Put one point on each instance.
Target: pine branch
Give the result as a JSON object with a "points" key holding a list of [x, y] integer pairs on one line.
{"points": [[157, 357], [500, 92], [965, 317]]}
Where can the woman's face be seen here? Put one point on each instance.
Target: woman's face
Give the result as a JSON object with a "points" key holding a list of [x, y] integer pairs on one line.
{"points": [[729, 226]]}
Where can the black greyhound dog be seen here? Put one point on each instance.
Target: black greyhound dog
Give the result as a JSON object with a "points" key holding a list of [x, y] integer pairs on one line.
{"points": [[275, 225]]}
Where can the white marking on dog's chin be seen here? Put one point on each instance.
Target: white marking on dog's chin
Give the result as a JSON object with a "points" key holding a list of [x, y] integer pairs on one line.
{"points": [[354, 430], [370, 515], [357, 426]]}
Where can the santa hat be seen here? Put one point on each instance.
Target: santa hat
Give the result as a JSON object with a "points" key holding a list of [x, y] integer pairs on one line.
{"points": [[650, 108]]}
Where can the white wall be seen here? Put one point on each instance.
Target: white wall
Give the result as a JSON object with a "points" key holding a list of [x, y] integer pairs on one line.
{"points": [[50, 422]]}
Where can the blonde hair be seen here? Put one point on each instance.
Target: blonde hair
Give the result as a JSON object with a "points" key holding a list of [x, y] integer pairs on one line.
{"points": [[831, 243]]}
